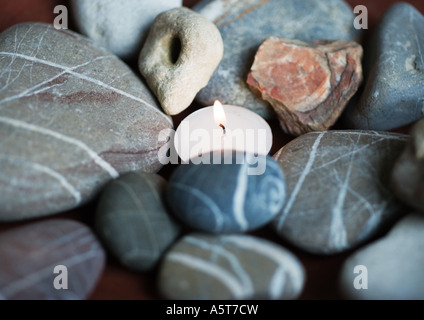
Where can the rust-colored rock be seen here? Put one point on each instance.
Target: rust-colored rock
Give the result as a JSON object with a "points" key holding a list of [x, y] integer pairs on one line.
{"points": [[308, 84]]}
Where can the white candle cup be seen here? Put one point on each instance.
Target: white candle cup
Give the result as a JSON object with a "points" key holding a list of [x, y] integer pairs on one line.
{"points": [[242, 131]]}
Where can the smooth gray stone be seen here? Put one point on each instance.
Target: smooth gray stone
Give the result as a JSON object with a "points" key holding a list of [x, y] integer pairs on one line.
{"points": [[225, 198], [393, 265], [179, 57], [119, 26], [408, 172], [338, 187], [227, 267], [133, 221], [29, 255], [72, 117], [394, 67], [245, 24]]}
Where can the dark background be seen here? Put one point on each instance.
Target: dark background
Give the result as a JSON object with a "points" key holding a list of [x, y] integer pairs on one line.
{"points": [[116, 282]]}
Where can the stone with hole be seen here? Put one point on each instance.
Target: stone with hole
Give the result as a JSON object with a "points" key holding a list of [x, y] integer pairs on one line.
{"points": [[181, 53]]}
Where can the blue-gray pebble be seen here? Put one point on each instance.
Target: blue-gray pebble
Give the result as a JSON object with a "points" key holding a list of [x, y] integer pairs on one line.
{"points": [[227, 198], [133, 221], [393, 95]]}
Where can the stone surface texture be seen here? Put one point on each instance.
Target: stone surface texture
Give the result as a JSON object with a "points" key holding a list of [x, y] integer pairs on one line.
{"points": [[225, 198], [245, 24], [338, 187], [393, 265], [307, 84], [394, 72], [230, 267], [133, 221], [408, 173], [181, 53], [72, 117], [120, 26], [29, 255]]}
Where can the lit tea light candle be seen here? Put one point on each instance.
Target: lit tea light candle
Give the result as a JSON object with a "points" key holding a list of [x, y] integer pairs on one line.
{"points": [[222, 128]]}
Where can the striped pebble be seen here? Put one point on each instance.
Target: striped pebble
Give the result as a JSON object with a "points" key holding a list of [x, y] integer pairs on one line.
{"points": [[338, 184], [50, 260], [210, 267], [227, 198], [133, 221]]}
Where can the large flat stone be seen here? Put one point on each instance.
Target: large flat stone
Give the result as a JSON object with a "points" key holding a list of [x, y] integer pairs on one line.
{"points": [[72, 117]]}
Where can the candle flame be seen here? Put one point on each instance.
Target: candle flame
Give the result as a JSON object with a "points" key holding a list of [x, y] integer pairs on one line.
{"points": [[219, 114]]}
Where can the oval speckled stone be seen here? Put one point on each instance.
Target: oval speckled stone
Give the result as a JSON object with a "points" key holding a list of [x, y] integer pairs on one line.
{"points": [[133, 221], [338, 186], [245, 24], [72, 117], [225, 198], [390, 268], [30, 254], [225, 267]]}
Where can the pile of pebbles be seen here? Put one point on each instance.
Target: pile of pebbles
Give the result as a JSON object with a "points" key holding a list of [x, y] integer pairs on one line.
{"points": [[80, 125]]}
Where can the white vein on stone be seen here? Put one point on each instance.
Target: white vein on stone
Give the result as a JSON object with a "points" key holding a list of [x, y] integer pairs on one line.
{"points": [[26, 93], [277, 283], [89, 79], [230, 257], [362, 200], [302, 178], [348, 154], [281, 258], [219, 220], [147, 223], [79, 235], [222, 275], [93, 155], [381, 134], [52, 173], [239, 198], [62, 180], [338, 235], [372, 222]]}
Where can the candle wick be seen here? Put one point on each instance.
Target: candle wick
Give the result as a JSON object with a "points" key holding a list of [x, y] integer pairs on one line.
{"points": [[223, 128]]}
